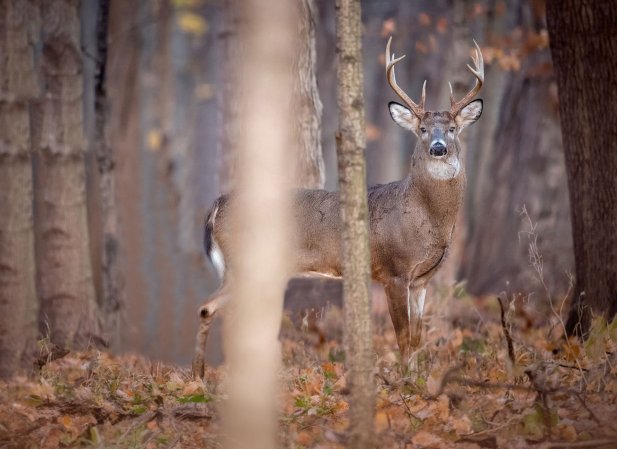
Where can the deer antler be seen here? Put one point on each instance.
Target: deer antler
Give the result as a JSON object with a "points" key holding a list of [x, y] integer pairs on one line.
{"points": [[456, 106], [417, 109]]}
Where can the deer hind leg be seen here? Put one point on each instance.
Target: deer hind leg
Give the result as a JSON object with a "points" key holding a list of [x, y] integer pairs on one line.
{"points": [[207, 313]]}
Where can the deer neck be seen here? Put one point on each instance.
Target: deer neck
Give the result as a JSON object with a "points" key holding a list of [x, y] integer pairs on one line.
{"points": [[438, 187]]}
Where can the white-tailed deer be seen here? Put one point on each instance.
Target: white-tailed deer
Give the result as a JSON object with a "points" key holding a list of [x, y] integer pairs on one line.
{"points": [[411, 221]]}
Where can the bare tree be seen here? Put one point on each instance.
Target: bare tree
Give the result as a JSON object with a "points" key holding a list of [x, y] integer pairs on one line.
{"points": [[306, 107], [584, 49], [230, 97], [20, 25], [260, 207], [356, 263], [110, 301], [66, 290]]}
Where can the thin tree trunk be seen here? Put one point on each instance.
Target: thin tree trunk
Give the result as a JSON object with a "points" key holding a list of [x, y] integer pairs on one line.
{"points": [[19, 22], [351, 145], [306, 106], [584, 49], [66, 289], [261, 207], [460, 79], [230, 97], [111, 302]]}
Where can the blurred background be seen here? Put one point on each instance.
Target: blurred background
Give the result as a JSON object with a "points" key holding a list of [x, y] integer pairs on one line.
{"points": [[168, 88]]}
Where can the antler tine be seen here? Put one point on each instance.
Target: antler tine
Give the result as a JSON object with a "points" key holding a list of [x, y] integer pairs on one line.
{"points": [[478, 72], [418, 109]]}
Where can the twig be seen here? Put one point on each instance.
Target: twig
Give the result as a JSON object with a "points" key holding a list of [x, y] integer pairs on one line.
{"points": [[140, 421], [578, 444], [506, 332], [409, 412], [494, 429]]}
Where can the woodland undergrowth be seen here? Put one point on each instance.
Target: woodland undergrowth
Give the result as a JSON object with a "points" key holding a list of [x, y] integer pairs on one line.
{"points": [[466, 390]]}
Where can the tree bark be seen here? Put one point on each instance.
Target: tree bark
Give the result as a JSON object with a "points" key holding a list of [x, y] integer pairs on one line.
{"points": [[111, 302], [306, 105], [68, 305], [515, 163], [230, 96], [20, 25], [351, 149], [261, 207], [584, 48]]}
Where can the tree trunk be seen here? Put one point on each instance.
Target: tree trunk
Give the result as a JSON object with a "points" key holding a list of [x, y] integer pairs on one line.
{"points": [[230, 96], [460, 78], [584, 49], [110, 303], [351, 146], [68, 304], [261, 207], [19, 22], [515, 164], [306, 105]]}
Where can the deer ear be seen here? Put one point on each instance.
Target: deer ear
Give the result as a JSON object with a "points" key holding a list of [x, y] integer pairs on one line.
{"points": [[404, 117], [469, 114]]}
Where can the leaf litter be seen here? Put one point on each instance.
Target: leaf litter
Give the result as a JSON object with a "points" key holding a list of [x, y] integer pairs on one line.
{"points": [[463, 390]]}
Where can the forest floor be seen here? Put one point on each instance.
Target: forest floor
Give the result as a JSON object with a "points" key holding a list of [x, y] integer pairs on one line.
{"points": [[465, 391]]}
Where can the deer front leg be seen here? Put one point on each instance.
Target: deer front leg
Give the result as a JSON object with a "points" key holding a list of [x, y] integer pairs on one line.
{"points": [[406, 304], [416, 297], [397, 292], [207, 313]]}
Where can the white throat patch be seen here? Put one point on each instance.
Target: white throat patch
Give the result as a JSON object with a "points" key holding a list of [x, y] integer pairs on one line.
{"points": [[444, 169]]}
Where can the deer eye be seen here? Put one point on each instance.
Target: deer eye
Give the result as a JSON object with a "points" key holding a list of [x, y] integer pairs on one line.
{"points": [[452, 129], [423, 130]]}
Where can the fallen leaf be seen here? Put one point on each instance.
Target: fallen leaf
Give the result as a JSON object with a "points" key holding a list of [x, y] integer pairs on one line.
{"points": [[381, 422], [428, 440]]}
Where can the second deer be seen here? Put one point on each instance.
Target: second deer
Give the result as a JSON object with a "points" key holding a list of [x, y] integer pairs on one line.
{"points": [[411, 221]]}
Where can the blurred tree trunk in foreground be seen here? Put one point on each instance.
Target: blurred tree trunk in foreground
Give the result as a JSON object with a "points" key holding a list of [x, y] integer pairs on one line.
{"points": [[305, 116], [66, 290], [20, 25], [584, 48], [261, 207], [351, 148]]}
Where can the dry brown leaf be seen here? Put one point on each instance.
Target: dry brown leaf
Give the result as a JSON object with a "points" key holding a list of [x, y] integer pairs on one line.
{"points": [[427, 440], [382, 422], [461, 425], [305, 438], [193, 387], [443, 407], [567, 432]]}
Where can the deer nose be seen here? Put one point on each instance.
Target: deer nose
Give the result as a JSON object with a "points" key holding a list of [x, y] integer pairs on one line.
{"points": [[438, 149]]}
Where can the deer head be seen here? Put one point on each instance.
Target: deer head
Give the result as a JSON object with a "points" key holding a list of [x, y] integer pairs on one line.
{"points": [[437, 132]]}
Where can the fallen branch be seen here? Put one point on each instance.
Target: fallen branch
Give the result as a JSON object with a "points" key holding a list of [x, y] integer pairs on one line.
{"points": [[579, 444]]}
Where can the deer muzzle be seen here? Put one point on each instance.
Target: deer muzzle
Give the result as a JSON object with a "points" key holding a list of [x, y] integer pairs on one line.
{"points": [[438, 148]]}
